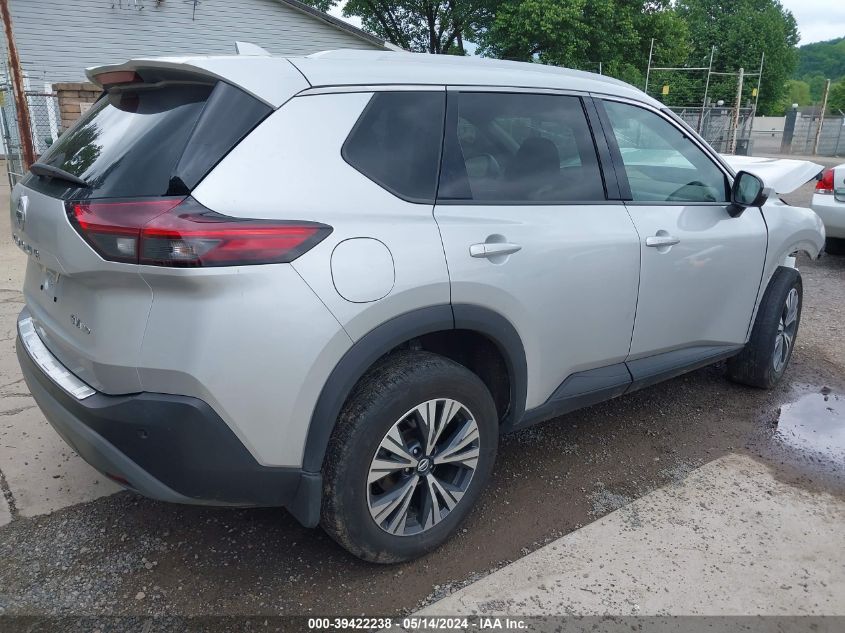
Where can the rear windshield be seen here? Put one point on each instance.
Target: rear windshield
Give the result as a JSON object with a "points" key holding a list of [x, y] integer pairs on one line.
{"points": [[151, 141]]}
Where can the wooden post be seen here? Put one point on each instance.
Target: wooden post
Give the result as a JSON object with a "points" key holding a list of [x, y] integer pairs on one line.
{"points": [[821, 117], [735, 126], [21, 106]]}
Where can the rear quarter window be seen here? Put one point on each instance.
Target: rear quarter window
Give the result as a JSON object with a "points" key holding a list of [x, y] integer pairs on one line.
{"points": [[396, 143]]}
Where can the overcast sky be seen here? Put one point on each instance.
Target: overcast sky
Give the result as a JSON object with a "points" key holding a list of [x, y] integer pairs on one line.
{"points": [[817, 19]]}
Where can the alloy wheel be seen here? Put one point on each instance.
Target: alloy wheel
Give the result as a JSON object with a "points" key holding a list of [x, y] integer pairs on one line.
{"points": [[423, 467], [787, 327]]}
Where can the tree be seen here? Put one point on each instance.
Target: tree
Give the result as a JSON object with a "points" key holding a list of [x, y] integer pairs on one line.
{"points": [[796, 92], [826, 59], [420, 26], [582, 33], [741, 30], [836, 98], [816, 84]]}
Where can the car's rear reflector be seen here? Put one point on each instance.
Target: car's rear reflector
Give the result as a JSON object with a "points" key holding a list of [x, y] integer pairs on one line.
{"points": [[182, 232], [825, 183]]}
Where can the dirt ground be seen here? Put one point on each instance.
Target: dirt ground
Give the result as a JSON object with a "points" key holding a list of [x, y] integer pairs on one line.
{"points": [[122, 554]]}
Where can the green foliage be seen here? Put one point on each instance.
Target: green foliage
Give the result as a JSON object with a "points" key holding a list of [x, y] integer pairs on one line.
{"points": [[796, 92], [421, 26], [823, 59], [816, 84], [617, 33], [836, 99], [741, 30], [817, 63], [582, 33]]}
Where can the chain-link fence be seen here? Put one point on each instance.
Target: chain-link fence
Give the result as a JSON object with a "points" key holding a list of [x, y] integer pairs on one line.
{"points": [[44, 124], [799, 137], [716, 125], [11, 137], [831, 138], [44, 118]]}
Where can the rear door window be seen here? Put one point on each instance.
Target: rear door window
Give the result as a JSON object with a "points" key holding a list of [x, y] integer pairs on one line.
{"points": [[515, 148], [151, 140], [396, 142]]}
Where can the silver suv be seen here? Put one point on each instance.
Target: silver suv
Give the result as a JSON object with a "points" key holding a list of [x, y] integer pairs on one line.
{"points": [[329, 283]]}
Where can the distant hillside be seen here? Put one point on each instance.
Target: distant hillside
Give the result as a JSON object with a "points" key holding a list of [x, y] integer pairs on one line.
{"points": [[822, 58]]}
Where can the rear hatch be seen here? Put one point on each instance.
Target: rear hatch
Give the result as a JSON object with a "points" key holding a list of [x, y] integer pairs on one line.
{"points": [[134, 156]]}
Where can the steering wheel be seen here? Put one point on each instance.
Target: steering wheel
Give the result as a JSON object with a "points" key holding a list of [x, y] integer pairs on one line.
{"points": [[696, 187]]}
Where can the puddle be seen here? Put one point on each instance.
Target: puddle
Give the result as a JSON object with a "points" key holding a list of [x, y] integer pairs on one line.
{"points": [[814, 424]]}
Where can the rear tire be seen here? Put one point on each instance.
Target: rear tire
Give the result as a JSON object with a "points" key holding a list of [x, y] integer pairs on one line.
{"points": [[765, 357], [394, 486], [834, 246]]}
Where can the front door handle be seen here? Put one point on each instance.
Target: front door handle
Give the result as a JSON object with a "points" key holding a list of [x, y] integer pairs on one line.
{"points": [[661, 240], [493, 249]]}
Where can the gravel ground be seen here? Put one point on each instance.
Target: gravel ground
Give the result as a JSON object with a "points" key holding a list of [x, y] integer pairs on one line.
{"points": [[125, 555]]}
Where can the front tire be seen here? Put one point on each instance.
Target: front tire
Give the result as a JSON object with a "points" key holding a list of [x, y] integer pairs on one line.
{"points": [[412, 450], [764, 359], [834, 246]]}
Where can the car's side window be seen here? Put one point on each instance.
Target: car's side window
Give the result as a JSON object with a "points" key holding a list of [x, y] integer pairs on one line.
{"points": [[661, 162], [512, 148], [396, 142]]}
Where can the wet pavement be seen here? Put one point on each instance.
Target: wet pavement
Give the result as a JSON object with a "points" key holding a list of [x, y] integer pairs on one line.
{"points": [[814, 425]]}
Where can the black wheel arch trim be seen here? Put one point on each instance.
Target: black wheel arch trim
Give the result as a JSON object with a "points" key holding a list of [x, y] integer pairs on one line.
{"points": [[379, 341], [504, 335]]}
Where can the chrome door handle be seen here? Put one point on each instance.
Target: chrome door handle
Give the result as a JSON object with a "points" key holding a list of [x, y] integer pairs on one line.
{"points": [[493, 249], [661, 240]]}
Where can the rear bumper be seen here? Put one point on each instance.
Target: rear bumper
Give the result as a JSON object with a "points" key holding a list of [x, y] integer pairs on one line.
{"points": [[832, 213], [167, 447]]}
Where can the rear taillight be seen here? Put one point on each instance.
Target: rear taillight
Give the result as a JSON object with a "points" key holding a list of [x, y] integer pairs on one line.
{"points": [[825, 183], [182, 232]]}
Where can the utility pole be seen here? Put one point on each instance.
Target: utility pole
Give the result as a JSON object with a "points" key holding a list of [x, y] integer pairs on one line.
{"points": [[24, 125], [821, 117], [735, 126], [648, 70]]}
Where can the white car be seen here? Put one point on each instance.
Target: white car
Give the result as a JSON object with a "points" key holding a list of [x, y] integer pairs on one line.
{"points": [[329, 283], [829, 204]]}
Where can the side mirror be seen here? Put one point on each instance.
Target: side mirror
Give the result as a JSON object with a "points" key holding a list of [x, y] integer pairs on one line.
{"points": [[747, 191]]}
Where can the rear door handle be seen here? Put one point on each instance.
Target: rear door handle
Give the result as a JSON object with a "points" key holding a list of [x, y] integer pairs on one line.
{"points": [[493, 249], [661, 240]]}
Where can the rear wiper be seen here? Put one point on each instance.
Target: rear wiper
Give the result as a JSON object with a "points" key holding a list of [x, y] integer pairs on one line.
{"points": [[50, 171]]}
